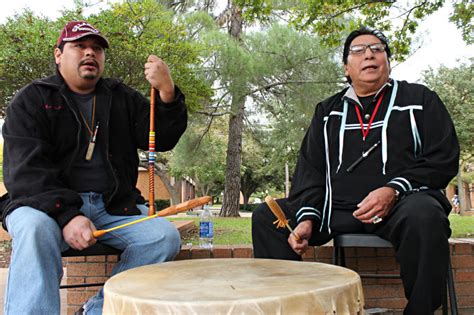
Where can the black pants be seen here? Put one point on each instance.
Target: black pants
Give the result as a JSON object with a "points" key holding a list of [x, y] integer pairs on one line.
{"points": [[417, 226]]}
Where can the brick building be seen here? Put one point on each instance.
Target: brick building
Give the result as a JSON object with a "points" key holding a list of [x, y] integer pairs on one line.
{"points": [[185, 185]]}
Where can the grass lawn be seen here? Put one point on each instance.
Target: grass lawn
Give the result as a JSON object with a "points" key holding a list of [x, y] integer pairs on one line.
{"points": [[462, 226], [227, 231], [236, 231]]}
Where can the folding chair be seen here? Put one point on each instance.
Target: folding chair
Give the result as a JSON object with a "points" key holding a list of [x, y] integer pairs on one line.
{"points": [[372, 240]]}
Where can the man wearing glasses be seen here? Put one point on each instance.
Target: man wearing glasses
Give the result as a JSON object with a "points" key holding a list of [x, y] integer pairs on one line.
{"points": [[374, 160]]}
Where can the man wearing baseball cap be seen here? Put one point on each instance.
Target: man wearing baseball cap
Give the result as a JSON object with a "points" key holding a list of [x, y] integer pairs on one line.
{"points": [[71, 166], [374, 160]]}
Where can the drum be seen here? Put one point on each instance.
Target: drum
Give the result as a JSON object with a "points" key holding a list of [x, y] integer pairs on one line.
{"points": [[235, 286]]}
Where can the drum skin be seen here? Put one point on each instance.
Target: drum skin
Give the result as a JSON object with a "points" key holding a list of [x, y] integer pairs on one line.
{"points": [[235, 286]]}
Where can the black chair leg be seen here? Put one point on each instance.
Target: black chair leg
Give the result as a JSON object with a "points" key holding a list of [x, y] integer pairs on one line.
{"points": [[445, 302], [451, 289], [335, 256], [343, 257]]}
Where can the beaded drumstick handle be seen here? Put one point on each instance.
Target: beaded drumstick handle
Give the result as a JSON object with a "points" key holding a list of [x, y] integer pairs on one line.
{"points": [[281, 218], [151, 156]]}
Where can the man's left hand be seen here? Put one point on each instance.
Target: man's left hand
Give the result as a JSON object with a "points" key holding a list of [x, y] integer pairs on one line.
{"points": [[158, 74], [378, 203], [304, 231]]}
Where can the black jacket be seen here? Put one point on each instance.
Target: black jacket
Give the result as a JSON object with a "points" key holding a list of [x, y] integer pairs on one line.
{"points": [[418, 150], [41, 140]]}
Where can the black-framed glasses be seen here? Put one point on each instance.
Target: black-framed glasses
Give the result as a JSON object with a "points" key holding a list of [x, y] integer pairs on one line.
{"points": [[360, 49]]}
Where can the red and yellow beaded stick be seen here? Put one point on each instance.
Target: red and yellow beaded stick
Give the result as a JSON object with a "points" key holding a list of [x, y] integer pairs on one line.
{"points": [[151, 155]]}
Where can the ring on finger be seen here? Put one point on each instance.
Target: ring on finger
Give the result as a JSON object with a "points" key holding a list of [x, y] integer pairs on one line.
{"points": [[376, 219]]}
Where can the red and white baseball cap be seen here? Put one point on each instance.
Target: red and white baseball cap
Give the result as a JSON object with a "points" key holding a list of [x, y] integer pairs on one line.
{"points": [[75, 30]]}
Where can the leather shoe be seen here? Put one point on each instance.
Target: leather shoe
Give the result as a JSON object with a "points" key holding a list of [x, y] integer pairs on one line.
{"points": [[79, 311]]}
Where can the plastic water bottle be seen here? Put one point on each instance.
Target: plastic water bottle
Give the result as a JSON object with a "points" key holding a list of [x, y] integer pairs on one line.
{"points": [[206, 229]]}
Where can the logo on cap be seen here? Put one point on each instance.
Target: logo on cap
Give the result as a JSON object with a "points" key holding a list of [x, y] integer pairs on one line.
{"points": [[84, 27], [75, 30]]}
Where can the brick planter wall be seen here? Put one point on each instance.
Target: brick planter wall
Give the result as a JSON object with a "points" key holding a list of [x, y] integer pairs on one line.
{"points": [[92, 269], [384, 293]]}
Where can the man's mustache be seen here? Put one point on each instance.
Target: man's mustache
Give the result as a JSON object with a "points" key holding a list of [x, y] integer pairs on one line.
{"points": [[89, 62]]}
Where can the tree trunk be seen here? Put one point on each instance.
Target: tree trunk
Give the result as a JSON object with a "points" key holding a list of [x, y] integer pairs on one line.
{"points": [[174, 190], [230, 205], [464, 196], [203, 189], [248, 185], [461, 195], [246, 200]]}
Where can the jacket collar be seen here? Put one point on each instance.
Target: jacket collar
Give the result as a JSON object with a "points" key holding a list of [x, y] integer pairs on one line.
{"points": [[351, 95], [57, 82]]}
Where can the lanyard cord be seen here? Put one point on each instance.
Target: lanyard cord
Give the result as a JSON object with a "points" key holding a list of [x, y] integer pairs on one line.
{"points": [[365, 132], [89, 128]]}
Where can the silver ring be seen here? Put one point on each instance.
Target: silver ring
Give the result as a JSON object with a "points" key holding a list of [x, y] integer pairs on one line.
{"points": [[376, 219]]}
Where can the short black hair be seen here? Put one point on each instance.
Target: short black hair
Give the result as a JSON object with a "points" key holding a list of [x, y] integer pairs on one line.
{"points": [[61, 46], [364, 31]]}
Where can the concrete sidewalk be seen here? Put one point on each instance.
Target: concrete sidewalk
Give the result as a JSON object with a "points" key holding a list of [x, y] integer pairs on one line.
{"points": [[3, 281]]}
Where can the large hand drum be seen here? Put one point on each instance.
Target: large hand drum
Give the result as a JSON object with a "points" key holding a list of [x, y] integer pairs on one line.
{"points": [[235, 286]]}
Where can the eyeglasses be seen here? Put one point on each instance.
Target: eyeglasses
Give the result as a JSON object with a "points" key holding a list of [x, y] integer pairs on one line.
{"points": [[360, 49]]}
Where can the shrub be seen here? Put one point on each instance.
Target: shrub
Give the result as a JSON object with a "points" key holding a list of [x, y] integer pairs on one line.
{"points": [[160, 204], [249, 207]]}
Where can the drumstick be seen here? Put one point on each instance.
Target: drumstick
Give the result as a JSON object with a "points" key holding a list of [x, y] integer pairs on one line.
{"points": [[281, 218], [151, 155], [180, 207]]}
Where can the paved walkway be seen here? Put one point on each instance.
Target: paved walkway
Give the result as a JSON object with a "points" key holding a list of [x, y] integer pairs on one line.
{"points": [[3, 281]]}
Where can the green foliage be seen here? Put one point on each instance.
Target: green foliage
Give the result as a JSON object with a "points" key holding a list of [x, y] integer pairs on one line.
{"points": [[249, 207], [140, 28], [456, 89], [201, 157], [134, 29], [284, 72], [161, 204], [255, 172], [463, 18], [331, 20], [26, 52], [311, 74]]}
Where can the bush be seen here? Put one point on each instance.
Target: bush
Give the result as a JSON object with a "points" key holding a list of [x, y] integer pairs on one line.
{"points": [[160, 204], [249, 207]]}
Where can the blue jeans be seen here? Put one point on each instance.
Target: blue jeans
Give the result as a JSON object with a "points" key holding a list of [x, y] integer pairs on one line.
{"points": [[36, 269]]}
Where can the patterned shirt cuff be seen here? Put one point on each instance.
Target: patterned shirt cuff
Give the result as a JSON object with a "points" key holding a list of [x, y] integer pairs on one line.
{"points": [[308, 213], [401, 184]]}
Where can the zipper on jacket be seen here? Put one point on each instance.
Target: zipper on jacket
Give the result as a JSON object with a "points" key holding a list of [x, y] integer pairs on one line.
{"points": [[78, 140], [107, 200]]}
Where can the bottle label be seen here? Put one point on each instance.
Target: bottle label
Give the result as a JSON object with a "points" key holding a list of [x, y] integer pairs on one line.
{"points": [[206, 229]]}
